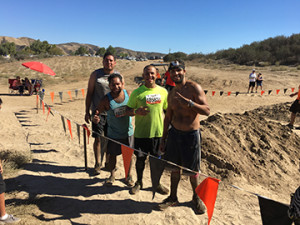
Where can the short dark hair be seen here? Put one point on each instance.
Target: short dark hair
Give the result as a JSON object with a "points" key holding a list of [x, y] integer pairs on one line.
{"points": [[108, 54], [115, 75], [148, 66], [0, 101]]}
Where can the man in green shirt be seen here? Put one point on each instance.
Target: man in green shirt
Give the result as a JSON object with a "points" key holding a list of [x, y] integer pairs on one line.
{"points": [[147, 103]]}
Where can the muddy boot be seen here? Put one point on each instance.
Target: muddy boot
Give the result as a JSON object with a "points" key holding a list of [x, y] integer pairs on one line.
{"points": [[138, 185]]}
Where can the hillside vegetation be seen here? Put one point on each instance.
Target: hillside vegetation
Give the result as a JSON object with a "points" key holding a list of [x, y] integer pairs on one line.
{"points": [[279, 50]]}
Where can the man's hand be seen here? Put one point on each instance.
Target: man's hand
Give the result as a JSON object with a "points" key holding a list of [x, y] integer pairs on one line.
{"points": [[87, 117], [142, 111], [96, 118], [181, 99], [162, 147]]}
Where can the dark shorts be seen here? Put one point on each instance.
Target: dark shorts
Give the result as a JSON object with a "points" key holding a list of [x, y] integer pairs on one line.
{"points": [[258, 83], [184, 148], [2, 184], [114, 148], [252, 84], [146, 145], [100, 129], [295, 107]]}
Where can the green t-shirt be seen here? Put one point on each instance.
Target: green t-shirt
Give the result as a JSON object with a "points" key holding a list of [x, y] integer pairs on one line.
{"points": [[155, 99]]}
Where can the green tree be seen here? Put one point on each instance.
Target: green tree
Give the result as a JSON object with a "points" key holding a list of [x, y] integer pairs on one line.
{"points": [[54, 50], [111, 49], [123, 55], [101, 51], [39, 47], [8, 48], [81, 51], [173, 56]]}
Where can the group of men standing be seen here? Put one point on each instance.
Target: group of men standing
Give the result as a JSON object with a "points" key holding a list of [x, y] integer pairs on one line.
{"points": [[165, 123]]}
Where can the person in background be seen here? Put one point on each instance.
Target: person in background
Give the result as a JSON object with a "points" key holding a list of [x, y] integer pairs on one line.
{"points": [[17, 85], [158, 80], [259, 81], [28, 85], [295, 108], [169, 83], [4, 217], [252, 79]]}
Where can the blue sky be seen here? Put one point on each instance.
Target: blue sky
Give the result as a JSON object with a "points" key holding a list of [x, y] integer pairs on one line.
{"points": [[190, 26]]}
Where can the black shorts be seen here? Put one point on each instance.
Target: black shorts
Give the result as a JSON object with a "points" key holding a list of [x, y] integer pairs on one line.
{"points": [[2, 185], [295, 107], [252, 84], [146, 145], [114, 148], [100, 129], [184, 148]]}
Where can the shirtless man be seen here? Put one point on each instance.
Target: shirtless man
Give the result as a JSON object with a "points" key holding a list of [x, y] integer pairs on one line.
{"points": [[186, 102]]}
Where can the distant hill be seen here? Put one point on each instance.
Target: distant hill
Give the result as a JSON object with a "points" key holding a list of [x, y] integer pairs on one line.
{"points": [[20, 43], [70, 47]]}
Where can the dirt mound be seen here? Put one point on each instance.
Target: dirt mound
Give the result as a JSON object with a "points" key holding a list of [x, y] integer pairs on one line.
{"points": [[251, 147], [278, 112]]}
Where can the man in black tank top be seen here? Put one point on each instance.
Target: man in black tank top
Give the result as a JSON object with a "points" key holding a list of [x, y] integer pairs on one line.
{"points": [[97, 89]]}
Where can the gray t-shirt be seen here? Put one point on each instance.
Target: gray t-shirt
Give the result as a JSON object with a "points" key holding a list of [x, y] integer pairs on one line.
{"points": [[101, 88]]}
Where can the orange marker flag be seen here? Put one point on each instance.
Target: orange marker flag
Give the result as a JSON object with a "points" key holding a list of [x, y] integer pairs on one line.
{"points": [[87, 131], [213, 93], [207, 191], [82, 91], [52, 96], [277, 91], [293, 89], [69, 92], [262, 92], [43, 107], [127, 154], [229, 93], [49, 109], [70, 129]]}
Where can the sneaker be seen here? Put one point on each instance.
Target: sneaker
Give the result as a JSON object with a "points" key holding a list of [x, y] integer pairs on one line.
{"points": [[138, 185], [129, 182], [199, 205], [109, 181], [168, 202], [162, 190], [290, 126], [10, 219], [97, 169]]}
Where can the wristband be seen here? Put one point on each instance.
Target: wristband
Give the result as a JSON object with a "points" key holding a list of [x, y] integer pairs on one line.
{"points": [[191, 103]]}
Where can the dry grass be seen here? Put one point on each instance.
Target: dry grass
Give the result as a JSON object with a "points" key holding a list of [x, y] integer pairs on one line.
{"points": [[12, 161]]}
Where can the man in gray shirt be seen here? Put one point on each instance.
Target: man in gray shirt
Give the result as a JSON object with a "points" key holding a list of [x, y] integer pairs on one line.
{"points": [[97, 89]]}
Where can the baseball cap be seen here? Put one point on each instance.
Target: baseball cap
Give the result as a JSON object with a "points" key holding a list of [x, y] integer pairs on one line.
{"points": [[176, 64], [253, 70]]}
